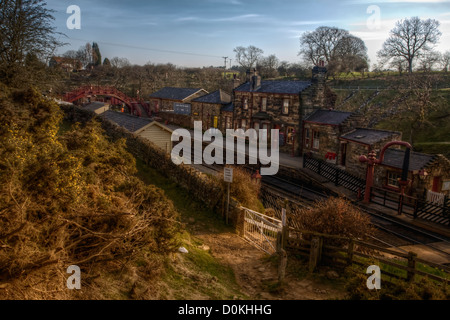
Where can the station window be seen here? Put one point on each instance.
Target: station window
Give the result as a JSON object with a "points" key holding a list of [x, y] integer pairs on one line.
{"points": [[264, 104], [316, 140], [285, 106], [307, 138], [392, 179]]}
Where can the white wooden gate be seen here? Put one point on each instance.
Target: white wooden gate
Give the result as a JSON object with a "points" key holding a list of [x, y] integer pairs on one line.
{"points": [[261, 230]]}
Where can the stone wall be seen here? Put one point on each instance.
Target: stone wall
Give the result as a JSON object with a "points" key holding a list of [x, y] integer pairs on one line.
{"points": [[273, 116], [205, 112], [328, 141], [181, 120]]}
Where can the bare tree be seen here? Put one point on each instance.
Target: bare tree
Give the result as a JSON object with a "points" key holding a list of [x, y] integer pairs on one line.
{"points": [[25, 27], [429, 59], [342, 51], [247, 57], [416, 102], [267, 66], [445, 61], [320, 43], [399, 64], [350, 55], [409, 39]]}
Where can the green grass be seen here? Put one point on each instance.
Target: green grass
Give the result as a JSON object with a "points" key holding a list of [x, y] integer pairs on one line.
{"points": [[196, 275]]}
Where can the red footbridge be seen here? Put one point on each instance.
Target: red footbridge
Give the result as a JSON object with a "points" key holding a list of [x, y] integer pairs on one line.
{"points": [[136, 106]]}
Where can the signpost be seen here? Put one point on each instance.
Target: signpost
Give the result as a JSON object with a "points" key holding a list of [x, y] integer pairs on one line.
{"points": [[228, 178]]}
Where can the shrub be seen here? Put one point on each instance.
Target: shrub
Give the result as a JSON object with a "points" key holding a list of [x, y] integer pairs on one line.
{"points": [[334, 216], [72, 199], [243, 189], [423, 289]]}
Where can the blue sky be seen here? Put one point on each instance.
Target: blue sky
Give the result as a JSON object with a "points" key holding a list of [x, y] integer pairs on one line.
{"points": [[195, 33]]}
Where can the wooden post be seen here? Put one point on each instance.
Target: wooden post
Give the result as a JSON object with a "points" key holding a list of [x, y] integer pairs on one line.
{"points": [[228, 201], [315, 253], [412, 265], [281, 243], [350, 249], [282, 265]]}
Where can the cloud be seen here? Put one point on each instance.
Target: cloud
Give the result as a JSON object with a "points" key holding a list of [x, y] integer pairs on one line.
{"points": [[313, 22], [350, 2], [244, 17]]}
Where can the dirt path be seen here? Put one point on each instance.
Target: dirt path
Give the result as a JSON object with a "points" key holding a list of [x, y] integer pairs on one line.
{"points": [[257, 275]]}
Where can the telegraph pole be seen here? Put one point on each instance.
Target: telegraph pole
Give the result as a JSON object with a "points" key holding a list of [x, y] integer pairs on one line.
{"points": [[224, 70]]}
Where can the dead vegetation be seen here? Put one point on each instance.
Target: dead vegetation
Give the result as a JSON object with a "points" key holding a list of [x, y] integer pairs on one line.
{"points": [[334, 216], [73, 199]]}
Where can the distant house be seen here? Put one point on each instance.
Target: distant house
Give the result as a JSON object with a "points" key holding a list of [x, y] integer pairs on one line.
{"points": [[97, 107], [361, 141], [67, 64], [175, 99], [159, 134], [282, 105], [208, 109], [226, 117], [322, 130], [426, 172], [153, 131]]}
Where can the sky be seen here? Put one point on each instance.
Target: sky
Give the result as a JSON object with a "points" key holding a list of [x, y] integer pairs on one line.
{"points": [[197, 33]]}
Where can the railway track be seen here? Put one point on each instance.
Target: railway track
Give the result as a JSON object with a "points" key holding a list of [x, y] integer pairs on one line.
{"points": [[391, 232]]}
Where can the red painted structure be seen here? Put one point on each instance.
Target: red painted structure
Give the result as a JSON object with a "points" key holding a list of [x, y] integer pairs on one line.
{"points": [[132, 103], [372, 160]]}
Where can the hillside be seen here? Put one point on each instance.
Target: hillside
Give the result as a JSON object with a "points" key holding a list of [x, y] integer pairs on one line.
{"points": [[387, 105], [71, 197]]}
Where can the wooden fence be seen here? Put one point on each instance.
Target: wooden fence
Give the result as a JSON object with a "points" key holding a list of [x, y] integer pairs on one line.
{"points": [[341, 251], [338, 176]]}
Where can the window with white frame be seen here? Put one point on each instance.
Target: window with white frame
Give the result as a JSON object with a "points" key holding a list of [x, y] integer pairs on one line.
{"points": [[245, 103], [316, 140], [264, 104], [392, 179], [285, 106], [243, 124]]}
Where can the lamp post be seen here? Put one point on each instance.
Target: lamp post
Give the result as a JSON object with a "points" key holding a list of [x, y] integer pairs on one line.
{"points": [[256, 177], [372, 160]]}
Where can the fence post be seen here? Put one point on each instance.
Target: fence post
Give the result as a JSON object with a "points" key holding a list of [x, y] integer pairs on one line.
{"points": [[281, 244], [350, 249], [412, 265], [315, 253]]}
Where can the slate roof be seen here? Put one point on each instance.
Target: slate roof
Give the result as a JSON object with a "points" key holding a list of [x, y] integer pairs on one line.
{"points": [[277, 86], [173, 93], [417, 161], [228, 107], [331, 117], [217, 97], [94, 106], [125, 120], [368, 136]]}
